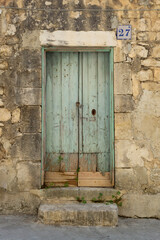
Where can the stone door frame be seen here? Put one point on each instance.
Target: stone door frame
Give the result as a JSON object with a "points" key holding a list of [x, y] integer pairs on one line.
{"points": [[79, 41]]}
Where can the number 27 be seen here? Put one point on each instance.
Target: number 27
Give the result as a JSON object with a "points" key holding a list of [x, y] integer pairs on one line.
{"points": [[121, 31]]}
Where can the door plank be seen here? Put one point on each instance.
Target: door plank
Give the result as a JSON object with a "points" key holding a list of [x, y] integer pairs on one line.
{"points": [[69, 121], [53, 111], [94, 179], [89, 102], [69, 162], [54, 179], [88, 162]]}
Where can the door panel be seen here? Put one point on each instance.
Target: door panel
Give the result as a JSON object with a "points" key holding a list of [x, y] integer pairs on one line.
{"points": [[61, 112], [94, 116]]}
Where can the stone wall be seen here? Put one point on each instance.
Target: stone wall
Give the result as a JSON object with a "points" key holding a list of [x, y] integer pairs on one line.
{"points": [[136, 89]]}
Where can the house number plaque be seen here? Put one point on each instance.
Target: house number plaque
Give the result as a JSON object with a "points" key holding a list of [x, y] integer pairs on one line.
{"points": [[124, 32]]}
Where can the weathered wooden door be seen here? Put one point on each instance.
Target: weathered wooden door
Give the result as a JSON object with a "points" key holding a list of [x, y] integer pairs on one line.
{"points": [[77, 119]]}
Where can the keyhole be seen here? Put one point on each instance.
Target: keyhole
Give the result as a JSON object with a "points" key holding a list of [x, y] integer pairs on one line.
{"points": [[93, 112]]}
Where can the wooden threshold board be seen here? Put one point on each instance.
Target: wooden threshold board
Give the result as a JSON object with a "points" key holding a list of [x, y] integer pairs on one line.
{"points": [[85, 179]]}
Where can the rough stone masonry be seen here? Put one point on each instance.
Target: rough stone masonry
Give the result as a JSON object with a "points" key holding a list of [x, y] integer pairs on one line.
{"points": [[136, 94]]}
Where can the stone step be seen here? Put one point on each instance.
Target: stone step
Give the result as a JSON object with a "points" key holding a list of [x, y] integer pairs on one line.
{"points": [[79, 214], [62, 194]]}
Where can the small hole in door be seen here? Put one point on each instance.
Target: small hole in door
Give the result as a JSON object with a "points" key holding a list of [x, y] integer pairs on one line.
{"points": [[93, 112]]}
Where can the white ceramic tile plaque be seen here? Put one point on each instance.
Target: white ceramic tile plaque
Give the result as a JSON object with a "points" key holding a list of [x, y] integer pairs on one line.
{"points": [[124, 32]]}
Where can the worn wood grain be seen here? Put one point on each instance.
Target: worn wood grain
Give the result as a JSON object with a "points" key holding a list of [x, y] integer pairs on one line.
{"points": [[60, 179], [94, 179]]}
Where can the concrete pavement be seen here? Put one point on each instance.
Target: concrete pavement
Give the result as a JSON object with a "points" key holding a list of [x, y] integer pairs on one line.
{"points": [[27, 228]]}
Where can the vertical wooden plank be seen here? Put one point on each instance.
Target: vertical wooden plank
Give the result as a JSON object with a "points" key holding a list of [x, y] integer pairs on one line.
{"points": [[103, 112], [53, 111], [69, 122], [80, 100], [43, 121], [111, 76], [89, 102]]}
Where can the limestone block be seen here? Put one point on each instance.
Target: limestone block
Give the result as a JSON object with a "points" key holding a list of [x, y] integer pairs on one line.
{"points": [[1, 103], [28, 96], [12, 40], [152, 36], [5, 115], [90, 214], [114, 22], [28, 79], [144, 2], [64, 194], [21, 202], [150, 62], [158, 36], [124, 103], [3, 65], [78, 38], [138, 51], [75, 15], [156, 25], [29, 59], [130, 155], [125, 179], [131, 179], [0, 132], [157, 74], [5, 51], [143, 24], [156, 52], [137, 90], [16, 115], [31, 119], [11, 30], [28, 175], [126, 47], [155, 175], [1, 125], [151, 86], [47, 3], [27, 147], [140, 205], [1, 90], [7, 176], [20, 3], [6, 2], [29, 37], [123, 126], [119, 55], [146, 124], [93, 3], [123, 82], [142, 36], [145, 75], [2, 151]]}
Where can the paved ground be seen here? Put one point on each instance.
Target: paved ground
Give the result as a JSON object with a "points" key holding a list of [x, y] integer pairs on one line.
{"points": [[27, 228]]}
